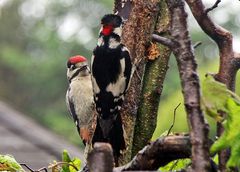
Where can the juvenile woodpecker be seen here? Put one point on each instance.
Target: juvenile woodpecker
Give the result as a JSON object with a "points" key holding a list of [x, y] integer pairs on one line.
{"points": [[111, 71], [79, 97]]}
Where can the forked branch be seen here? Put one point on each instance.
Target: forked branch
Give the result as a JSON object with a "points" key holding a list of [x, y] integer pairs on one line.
{"points": [[229, 60]]}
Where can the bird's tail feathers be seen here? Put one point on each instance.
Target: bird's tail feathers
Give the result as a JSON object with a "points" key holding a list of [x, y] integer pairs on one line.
{"points": [[115, 136]]}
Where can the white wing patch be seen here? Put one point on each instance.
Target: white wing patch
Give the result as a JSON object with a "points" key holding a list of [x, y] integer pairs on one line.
{"points": [[120, 86]]}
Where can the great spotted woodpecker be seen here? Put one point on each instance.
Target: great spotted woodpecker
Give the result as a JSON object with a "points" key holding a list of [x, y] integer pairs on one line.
{"points": [[111, 73], [79, 97]]}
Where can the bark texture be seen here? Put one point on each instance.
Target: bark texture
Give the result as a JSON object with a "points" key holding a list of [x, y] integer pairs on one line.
{"points": [[101, 158], [154, 75], [136, 35], [159, 153], [187, 65], [229, 60]]}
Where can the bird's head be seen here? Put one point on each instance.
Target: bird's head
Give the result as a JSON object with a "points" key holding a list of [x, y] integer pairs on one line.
{"points": [[111, 23], [77, 66]]}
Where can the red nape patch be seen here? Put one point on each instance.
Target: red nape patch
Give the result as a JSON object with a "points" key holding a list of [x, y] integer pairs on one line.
{"points": [[107, 30], [77, 59]]}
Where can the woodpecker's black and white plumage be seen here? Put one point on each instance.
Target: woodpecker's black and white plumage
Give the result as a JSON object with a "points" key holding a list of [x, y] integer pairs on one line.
{"points": [[111, 71], [79, 97]]}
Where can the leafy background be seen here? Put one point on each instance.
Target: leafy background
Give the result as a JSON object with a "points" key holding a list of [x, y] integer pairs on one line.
{"points": [[37, 37]]}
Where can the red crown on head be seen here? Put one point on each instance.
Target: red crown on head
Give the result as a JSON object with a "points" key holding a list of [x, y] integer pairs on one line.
{"points": [[77, 59]]}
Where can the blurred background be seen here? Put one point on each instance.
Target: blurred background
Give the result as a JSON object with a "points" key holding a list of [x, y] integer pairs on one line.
{"points": [[38, 36]]}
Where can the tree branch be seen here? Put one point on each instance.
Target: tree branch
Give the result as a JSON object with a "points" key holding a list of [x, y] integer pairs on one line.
{"points": [[100, 158], [223, 39], [190, 86], [159, 153], [136, 35], [154, 75], [213, 7], [229, 60], [163, 40]]}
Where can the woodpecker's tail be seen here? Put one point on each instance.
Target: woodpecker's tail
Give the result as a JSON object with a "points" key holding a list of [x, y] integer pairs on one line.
{"points": [[115, 136]]}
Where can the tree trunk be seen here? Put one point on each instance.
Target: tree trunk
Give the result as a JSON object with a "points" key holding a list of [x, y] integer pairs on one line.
{"points": [[136, 36], [154, 76]]}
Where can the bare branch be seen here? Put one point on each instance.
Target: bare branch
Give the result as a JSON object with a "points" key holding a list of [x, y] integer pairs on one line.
{"points": [[229, 60], [183, 52], [213, 7], [163, 40], [159, 153], [223, 39]]}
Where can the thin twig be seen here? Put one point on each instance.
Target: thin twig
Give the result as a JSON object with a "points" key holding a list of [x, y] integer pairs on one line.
{"points": [[174, 117], [64, 163], [213, 7], [42, 169], [197, 44], [29, 168]]}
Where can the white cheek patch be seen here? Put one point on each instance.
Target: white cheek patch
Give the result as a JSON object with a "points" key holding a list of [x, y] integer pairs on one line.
{"points": [[113, 43], [118, 31]]}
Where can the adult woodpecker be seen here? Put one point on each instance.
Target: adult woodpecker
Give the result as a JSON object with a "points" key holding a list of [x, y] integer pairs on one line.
{"points": [[111, 71], [79, 97]]}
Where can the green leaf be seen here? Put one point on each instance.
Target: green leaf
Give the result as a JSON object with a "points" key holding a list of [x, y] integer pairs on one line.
{"points": [[176, 165], [215, 96], [8, 163], [231, 136], [76, 162], [65, 158]]}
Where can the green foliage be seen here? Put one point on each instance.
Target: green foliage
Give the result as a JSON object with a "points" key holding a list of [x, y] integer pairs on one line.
{"points": [[231, 135], [72, 165], [215, 96], [176, 165], [8, 163]]}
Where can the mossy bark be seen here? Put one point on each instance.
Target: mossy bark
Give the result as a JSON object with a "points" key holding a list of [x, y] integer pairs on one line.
{"points": [[155, 72]]}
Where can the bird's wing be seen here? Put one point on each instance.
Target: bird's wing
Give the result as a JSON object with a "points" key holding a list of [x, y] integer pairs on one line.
{"points": [[72, 111], [127, 66]]}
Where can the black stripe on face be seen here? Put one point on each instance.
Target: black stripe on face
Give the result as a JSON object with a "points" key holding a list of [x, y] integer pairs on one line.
{"points": [[77, 72]]}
